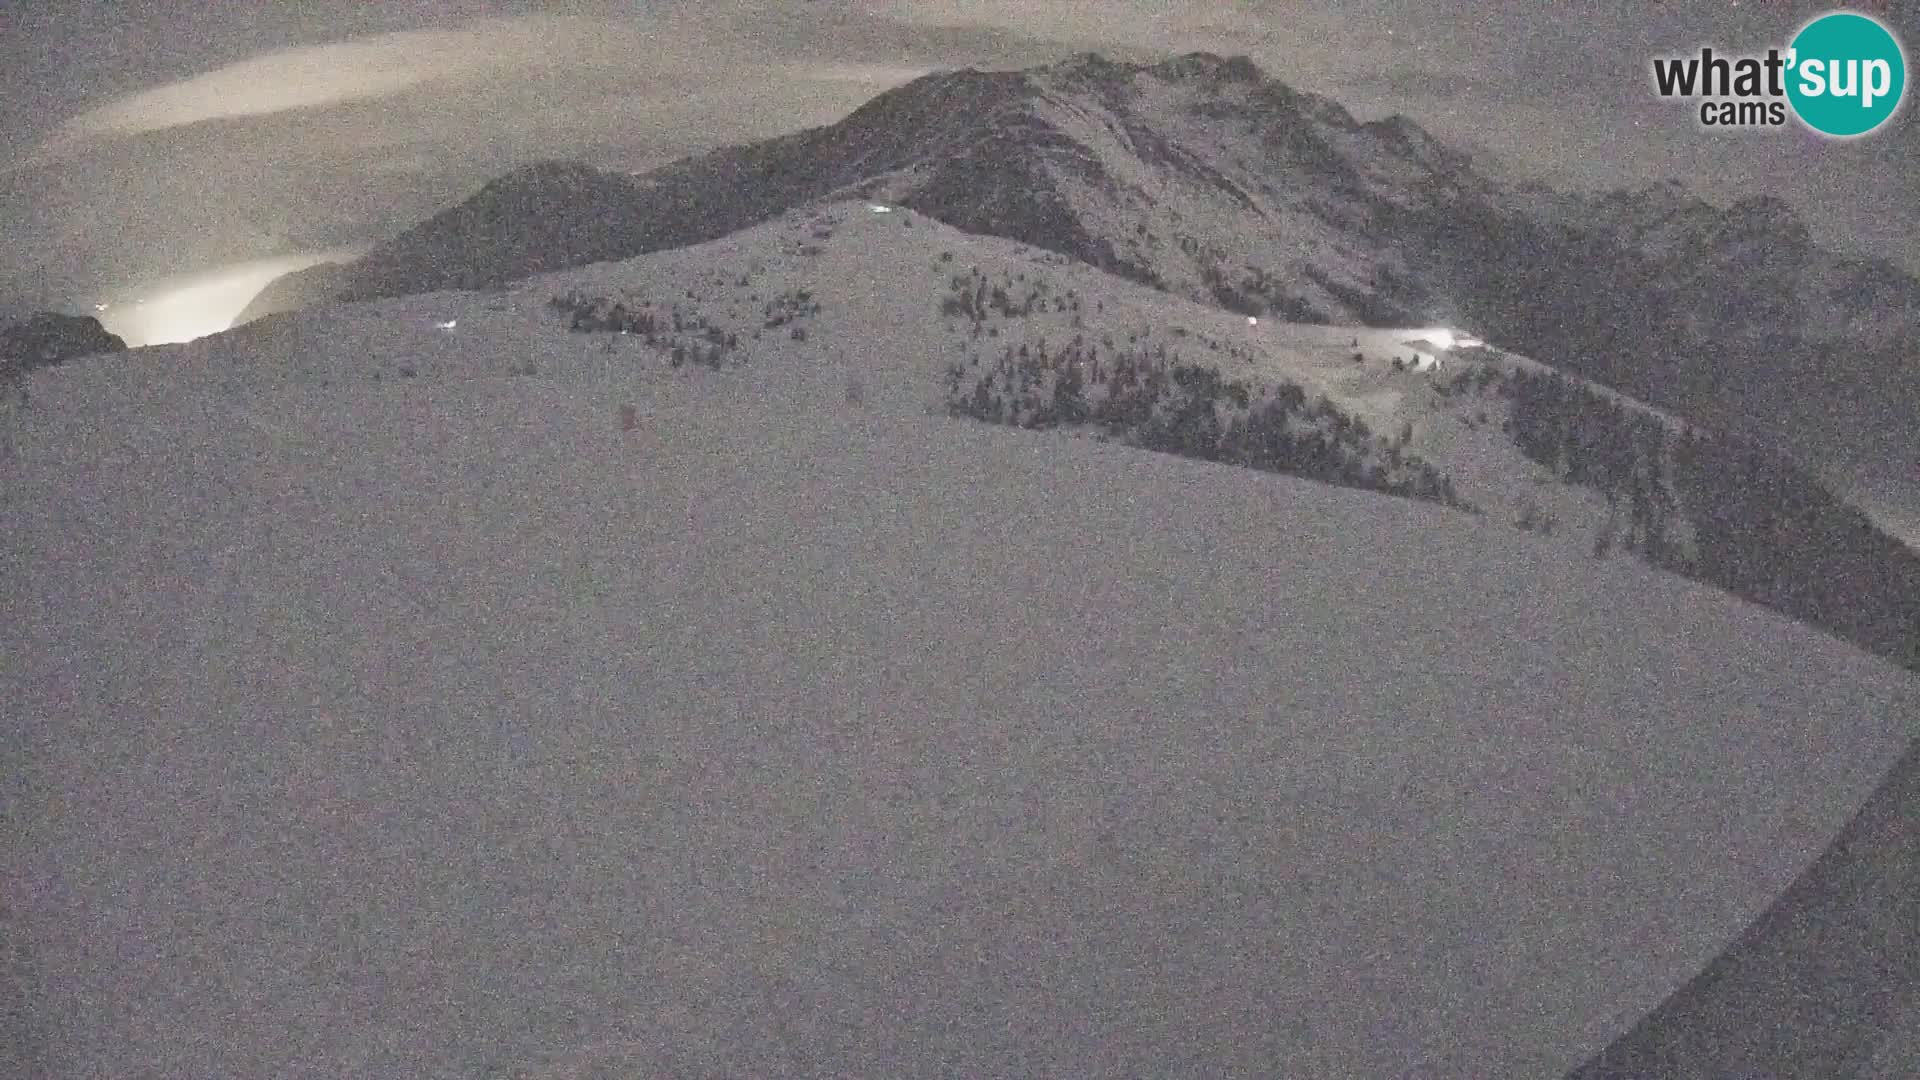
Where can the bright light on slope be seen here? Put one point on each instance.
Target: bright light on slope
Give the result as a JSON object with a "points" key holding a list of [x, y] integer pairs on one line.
{"points": [[195, 305]]}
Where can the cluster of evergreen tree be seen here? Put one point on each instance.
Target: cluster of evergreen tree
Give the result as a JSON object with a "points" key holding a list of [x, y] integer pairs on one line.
{"points": [[1477, 379], [1255, 292], [1770, 532], [682, 337], [789, 306], [1762, 527], [1593, 440], [974, 296], [591, 314], [1150, 399]]}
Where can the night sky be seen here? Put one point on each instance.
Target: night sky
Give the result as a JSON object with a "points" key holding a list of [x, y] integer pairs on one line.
{"points": [[151, 137]]}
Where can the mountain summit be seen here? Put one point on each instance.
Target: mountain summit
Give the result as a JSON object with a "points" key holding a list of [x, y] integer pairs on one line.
{"points": [[1199, 175], [1204, 177]]}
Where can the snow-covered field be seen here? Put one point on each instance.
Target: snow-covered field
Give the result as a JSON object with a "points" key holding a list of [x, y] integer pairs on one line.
{"points": [[438, 727]]}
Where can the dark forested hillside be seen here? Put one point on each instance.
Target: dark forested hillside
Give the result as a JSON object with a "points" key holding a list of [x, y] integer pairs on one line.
{"points": [[1761, 527]]}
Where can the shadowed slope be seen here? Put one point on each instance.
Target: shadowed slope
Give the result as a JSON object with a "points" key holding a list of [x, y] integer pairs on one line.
{"points": [[1825, 978]]}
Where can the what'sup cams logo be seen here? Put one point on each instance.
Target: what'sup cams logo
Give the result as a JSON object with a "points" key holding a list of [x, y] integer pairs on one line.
{"points": [[1844, 75]]}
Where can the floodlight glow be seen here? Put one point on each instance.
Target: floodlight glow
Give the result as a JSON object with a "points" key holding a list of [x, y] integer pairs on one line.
{"points": [[195, 305]]}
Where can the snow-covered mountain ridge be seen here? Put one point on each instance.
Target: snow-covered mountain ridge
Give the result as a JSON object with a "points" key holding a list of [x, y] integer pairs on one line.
{"points": [[965, 321], [386, 706], [976, 325], [1211, 179]]}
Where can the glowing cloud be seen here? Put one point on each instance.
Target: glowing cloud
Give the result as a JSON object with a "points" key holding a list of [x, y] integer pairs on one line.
{"points": [[193, 307], [291, 79], [339, 72]]}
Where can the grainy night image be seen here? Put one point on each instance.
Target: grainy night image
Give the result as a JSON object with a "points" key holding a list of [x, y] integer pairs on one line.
{"points": [[928, 538]]}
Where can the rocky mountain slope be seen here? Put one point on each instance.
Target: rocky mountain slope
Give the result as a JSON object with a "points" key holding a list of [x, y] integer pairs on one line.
{"points": [[1204, 177], [1099, 161]]}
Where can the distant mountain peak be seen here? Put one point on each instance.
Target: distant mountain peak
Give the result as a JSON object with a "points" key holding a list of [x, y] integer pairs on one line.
{"points": [[1204, 176], [1765, 212], [1416, 142], [1665, 198], [1670, 189], [1766, 225], [940, 100], [1089, 63], [1207, 65]]}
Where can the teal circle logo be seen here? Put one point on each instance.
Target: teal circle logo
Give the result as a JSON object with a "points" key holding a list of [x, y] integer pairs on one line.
{"points": [[1847, 74]]}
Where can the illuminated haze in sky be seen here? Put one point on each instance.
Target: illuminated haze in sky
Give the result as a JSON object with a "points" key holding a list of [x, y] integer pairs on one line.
{"points": [[194, 305]]}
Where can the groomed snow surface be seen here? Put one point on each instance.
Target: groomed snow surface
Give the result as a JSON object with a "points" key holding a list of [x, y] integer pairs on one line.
{"points": [[440, 728]]}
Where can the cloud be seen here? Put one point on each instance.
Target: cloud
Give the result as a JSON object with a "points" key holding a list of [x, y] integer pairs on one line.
{"points": [[879, 76], [294, 79], [351, 140], [495, 51]]}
